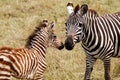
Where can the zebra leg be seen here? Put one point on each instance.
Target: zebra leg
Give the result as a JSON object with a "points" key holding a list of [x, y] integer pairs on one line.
{"points": [[89, 66], [107, 68]]}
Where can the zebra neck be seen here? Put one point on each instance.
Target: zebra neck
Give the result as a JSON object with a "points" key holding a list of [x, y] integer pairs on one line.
{"points": [[87, 30]]}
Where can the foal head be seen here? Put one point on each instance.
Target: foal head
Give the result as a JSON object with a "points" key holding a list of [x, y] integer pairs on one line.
{"points": [[53, 40], [44, 35]]}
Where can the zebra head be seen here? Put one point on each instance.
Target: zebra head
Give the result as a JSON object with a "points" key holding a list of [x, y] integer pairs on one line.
{"points": [[53, 40], [74, 25]]}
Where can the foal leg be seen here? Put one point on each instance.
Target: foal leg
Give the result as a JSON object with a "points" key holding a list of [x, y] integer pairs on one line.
{"points": [[39, 75], [4, 75]]}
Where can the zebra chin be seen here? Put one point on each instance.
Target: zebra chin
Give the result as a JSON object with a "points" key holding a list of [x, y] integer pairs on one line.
{"points": [[69, 45]]}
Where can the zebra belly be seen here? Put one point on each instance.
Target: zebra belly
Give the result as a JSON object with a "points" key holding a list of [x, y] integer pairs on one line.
{"points": [[118, 54]]}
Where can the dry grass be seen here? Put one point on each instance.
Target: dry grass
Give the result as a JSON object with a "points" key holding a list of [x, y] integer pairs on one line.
{"points": [[18, 18]]}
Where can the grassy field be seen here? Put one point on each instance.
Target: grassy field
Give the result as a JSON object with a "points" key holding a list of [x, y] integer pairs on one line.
{"points": [[18, 18]]}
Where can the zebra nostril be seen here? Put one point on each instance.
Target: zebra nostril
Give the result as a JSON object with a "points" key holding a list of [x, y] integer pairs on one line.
{"points": [[69, 43]]}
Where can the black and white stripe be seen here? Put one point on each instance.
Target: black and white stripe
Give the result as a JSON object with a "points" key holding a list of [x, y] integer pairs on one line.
{"points": [[29, 62], [100, 36]]}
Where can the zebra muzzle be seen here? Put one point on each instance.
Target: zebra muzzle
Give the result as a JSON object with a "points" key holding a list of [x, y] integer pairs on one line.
{"points": [[69, 45]]}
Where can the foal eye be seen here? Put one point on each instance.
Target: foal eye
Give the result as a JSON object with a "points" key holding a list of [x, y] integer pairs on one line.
{"points": [[66, 24], [54, 36]]}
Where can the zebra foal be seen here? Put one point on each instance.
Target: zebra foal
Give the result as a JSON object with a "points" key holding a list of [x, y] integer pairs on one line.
{"points": [[29, 62], [100, 36]]}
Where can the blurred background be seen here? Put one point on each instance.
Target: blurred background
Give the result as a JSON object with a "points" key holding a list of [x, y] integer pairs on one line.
{"points": [[18, 19]]}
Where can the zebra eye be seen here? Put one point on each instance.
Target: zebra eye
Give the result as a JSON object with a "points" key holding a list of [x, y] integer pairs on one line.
{"points": [[80, 24]]}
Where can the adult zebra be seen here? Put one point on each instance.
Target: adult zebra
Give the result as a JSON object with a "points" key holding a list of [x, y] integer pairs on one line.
{"points": [[29, 62], [100, 36]]}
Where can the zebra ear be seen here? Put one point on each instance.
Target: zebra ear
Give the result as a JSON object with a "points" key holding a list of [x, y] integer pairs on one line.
{"points": [[70, 7], [83, 9], [77, 8]]}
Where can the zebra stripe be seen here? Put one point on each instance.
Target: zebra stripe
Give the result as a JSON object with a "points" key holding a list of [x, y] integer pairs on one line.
{"points": [[29, 62], [100, 36]]}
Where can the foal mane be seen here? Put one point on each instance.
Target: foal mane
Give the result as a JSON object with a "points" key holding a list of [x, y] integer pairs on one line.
{"points": [[33, 34]]}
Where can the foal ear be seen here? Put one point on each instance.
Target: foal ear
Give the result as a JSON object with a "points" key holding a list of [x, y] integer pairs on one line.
{"points": [[45, 20], [83, 9], [52, 25], [45, 23]]}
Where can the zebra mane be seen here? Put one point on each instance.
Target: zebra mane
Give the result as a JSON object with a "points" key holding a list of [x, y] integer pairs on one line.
{"points": [[93, 12], [33, 34]]}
